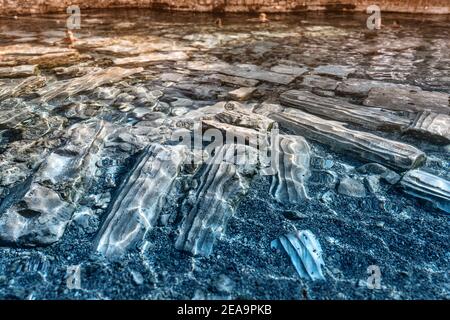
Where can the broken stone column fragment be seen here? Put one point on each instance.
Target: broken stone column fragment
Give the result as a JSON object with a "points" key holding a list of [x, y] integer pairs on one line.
{"points": [[425, 126], [236, 115], [305, 253], [432, 125], [427, 186], [291, 169], [366, 146], [140, 198], [335, 109], [221, 183], [290, 155]]}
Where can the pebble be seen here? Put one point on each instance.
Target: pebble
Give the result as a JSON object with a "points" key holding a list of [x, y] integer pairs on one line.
{"points": [[156, 94], [380, 224], [327, 197], [125, 107], [372, 183], [181, 103], [352, 188], [179, 111], [140, 112], [224, 284], [106, 93], [124, 97], [137, 277], [391, 177], [293, 215], [162, 107], [386, 174]]}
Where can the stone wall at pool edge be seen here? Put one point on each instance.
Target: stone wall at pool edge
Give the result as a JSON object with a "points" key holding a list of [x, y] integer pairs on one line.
{"points": [[18, 7]]}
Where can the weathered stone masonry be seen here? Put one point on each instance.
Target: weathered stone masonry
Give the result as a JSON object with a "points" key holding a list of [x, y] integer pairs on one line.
{"points": [[411, 6]]}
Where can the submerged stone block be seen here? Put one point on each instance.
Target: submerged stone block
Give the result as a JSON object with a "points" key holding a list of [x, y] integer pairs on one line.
{"points": [[408, 100], [38, 211], [65, 89], [18, 71]]}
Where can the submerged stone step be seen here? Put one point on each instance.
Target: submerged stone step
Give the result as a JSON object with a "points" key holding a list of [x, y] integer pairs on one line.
{"points": [[336, 71], [319, 83], [237, 81], [287, 69], [52, 60], [243, 71], [151, 57], [22, 88], [408, 100], [361, 87]]}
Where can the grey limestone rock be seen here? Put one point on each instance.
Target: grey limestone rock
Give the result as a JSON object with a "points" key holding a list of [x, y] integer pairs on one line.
{"points": [[408, 100], [38, 212], [18, 71], [351, 187]]}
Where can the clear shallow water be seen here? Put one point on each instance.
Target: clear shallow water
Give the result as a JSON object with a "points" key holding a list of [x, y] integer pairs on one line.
{"points": [[407, 238], [411, 49]]}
